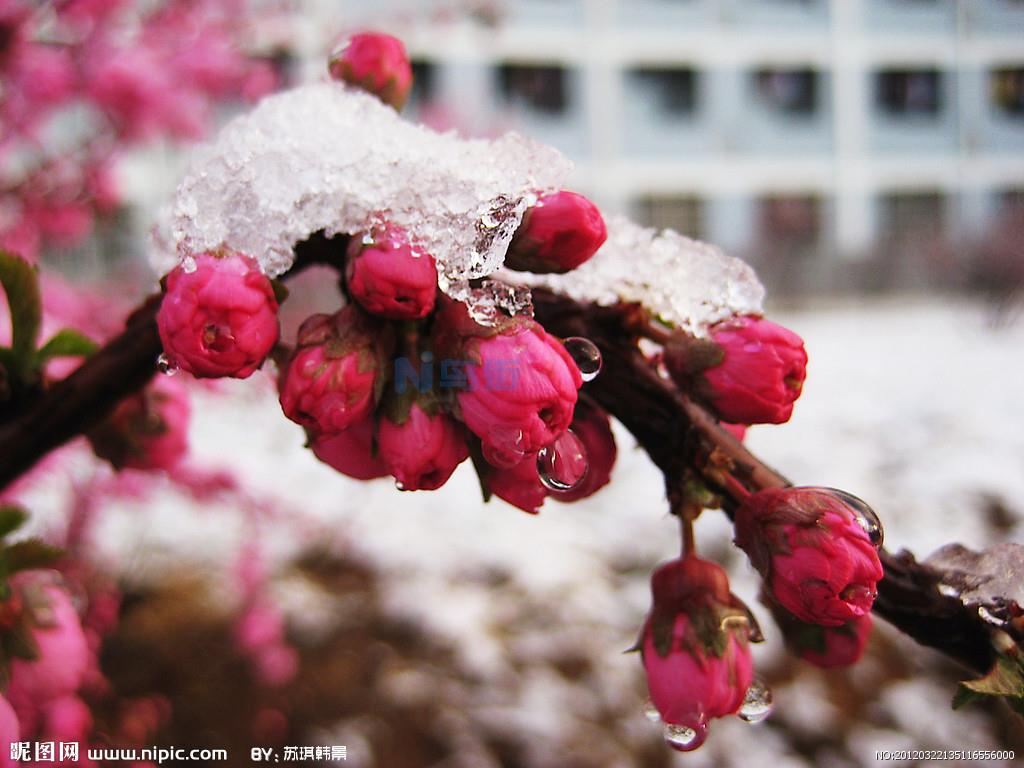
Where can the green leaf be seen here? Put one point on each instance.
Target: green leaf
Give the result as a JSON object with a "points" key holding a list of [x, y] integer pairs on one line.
{"points": [[20, 281], [67, 342], [11, 518], [30, 553], [1006, 679]]}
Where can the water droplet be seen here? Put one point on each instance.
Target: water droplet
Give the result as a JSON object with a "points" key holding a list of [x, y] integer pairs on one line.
{"points": [[165, 365], [188, 265], [686, 738], [585, 354], [504, 447], [563, 464], [367, 238], [757, 703], [399, 485], [651, 712], [864, 515]]}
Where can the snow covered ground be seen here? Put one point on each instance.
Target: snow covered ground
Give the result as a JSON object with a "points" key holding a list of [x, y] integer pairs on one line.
{"points": [[913, 404]]}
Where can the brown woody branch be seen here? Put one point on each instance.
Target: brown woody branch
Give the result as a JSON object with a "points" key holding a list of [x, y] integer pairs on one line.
{"points": [[682, 437], [74, 405], [679, 435]]}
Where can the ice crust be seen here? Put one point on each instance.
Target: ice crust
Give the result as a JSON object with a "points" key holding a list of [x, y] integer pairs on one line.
{"points": [[686, 283], [327, 157]]}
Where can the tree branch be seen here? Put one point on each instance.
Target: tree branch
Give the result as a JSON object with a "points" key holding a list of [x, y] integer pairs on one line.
{"points": [[682, 437], [679, 435], [123, 366]]}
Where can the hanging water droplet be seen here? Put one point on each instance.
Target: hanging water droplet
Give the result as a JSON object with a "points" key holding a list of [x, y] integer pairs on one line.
{"points": [[864, 515], [686, 738], [757, 703], [585, 354], [399, 485], [651, 712], [165, 365], [563, 464], [188, 265]]}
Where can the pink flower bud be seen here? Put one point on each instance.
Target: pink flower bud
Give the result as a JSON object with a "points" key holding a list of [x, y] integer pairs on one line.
{"points": [[812, 547], [389, 278], [522, 388], [148, 430], [839, 646], [694, 644], [351, 451], [219, 316], [593, 427], [329, 383], [558, 234], [422, 451], [751, 372], [64, 655], [10, 731], [519, 485], [376, 63]]}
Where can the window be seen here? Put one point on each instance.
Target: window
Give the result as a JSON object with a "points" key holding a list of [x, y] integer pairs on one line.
{"points": [[1007, 88], [791, 220], [674, 89], [913, 213], [789, 91], [683, 213], [422, 82], [909, 91], [542, 88]]}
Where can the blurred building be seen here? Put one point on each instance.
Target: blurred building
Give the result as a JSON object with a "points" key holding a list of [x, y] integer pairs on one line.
{"points": [[877, 139]]}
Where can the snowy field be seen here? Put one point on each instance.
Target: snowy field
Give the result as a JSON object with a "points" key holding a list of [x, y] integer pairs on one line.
{"points": [[914, 405]]}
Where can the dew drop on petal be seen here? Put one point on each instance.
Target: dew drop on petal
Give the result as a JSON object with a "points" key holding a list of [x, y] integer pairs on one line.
{"points": [[686, 738], [165, 365], [504, 447], [562, 465], [651, 712], [585, 354], [865, 516], [757, 703], [188, 265], [367, 239]]}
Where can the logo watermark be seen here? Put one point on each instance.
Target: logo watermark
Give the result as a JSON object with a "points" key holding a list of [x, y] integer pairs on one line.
{"points": [[496, 375]]}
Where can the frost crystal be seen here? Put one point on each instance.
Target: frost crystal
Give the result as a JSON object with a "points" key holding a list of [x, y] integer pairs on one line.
{"points": [[686, 283], [325, 157]]}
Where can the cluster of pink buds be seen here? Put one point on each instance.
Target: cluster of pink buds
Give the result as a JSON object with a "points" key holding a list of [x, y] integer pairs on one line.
{"points": [[402, 381], [817, 550]]}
